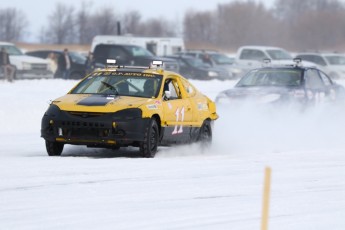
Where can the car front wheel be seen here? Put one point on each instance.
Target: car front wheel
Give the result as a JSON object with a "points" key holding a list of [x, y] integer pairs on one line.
{"points": [[148, 147], [205, 134], [54, 148]]}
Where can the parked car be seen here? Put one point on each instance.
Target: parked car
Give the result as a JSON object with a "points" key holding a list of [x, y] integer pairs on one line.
{"points": [[251, 57], [282, 85], [215, 59], [129, 106], [26, 67], [332, 63], [195, 68], [78, 60], [130, 55]]}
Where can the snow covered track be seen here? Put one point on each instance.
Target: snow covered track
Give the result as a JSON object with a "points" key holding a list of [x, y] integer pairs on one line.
{"points": [[182, 187]]}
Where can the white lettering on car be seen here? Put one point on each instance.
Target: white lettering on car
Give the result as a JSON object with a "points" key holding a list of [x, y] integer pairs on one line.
{"points": [[177, 114]]}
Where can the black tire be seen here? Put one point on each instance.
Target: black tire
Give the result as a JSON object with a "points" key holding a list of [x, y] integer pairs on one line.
{"points": [[205, 134], [148, 147], [54, 148]]}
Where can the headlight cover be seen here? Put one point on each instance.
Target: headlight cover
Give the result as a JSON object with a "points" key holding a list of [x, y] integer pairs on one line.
{"points": [[53, 110], [213, 74], [127, 114], [26, 66]]}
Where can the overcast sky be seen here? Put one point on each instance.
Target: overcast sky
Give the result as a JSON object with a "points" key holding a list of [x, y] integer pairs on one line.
{"points": [[37, 11]]}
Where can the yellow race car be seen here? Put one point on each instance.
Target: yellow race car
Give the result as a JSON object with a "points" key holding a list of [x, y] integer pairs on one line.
{"points": [[122, 106]]}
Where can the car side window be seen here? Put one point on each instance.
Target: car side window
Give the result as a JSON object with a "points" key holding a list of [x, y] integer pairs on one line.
{"points": [[189, 88], [313, 80], [313, 58], [326, 80], [172, 86], [117, 53], [181, 63], [252, 55]]}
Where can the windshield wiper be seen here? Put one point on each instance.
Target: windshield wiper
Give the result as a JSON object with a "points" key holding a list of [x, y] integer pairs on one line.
{"points": [[112, 88]]}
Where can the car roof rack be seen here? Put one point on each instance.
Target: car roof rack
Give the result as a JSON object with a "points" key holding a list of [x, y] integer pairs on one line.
{"points": [[156, 64]]}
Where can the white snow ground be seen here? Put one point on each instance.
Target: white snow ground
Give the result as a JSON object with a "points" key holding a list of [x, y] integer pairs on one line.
{"points": [[182, 187]]}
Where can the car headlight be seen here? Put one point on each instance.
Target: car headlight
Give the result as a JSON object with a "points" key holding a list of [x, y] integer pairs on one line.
{"points": [[269, 98], [213, 74], [236, 70], [26, 66], [222, 98]]}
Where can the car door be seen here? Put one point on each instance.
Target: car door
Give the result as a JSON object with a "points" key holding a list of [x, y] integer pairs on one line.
{"points": [[178, 112], [317, 91]]}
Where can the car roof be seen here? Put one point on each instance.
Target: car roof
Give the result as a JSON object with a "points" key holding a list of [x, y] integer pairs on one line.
{"points": [[57, 51], [136, 69], [199, 51], [180, 56], [118, 44], [321, 54], [284, 67], [6, 43], [261, 47]]}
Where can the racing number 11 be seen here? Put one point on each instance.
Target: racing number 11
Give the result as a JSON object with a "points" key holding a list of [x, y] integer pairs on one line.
{"points": [[177, 114]]}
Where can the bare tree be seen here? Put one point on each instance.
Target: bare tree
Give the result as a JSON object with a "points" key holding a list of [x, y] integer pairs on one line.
{"points": [[61, 25], [132, 22], [312, 24], [105, 21], [83, 25], [242, 23], [157, 28], [199, 27], [12, 24]]}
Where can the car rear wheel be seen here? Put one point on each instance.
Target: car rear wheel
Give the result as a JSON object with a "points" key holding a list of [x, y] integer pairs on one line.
{"points": [[54, 148], [148, 147], [205, 134]]}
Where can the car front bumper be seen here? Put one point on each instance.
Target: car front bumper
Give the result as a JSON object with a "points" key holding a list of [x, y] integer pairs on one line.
{"points": [[34, 74], [93, 129]]}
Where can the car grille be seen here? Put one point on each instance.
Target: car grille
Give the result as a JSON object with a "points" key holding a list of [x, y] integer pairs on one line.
{"points": [[85, 114], [39, 66], [82, 124]]}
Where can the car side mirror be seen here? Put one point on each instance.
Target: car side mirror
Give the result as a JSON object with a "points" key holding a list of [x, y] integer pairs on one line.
{"points": [[167, 95]]}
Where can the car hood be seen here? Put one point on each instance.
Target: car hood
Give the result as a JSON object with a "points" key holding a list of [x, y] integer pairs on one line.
{"points": [[98, 103], [258, 90], [340, 68], [256, 94], [27, 59]]}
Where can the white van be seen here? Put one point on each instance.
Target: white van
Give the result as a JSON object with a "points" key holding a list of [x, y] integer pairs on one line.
{"points": [[159, 46], [27, 67]]}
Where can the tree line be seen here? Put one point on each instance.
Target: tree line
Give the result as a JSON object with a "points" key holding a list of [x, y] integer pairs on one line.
{"points": [[293, 24]]}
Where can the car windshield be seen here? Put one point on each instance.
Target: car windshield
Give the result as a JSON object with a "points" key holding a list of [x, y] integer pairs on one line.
{"points": [[138, 51], [12, 50], [196, 62], [277, 54], [221, 59], [119, 83], [336, 60], [77, 57], [271, 77]]}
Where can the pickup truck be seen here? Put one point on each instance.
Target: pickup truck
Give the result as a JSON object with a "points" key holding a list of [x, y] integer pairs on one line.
{"points": [[250, 57], [27, 67], [130, 55]]}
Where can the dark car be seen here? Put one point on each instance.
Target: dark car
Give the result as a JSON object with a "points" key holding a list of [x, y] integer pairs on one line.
{"points": [[78, 60], [130, 55], [215, 59], [283, 85], [195, 68]]}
